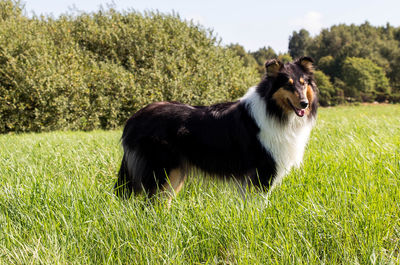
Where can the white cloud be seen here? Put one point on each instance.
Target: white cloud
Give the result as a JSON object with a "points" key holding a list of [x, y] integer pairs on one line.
{"points": [[196, 18], [311, 21]]}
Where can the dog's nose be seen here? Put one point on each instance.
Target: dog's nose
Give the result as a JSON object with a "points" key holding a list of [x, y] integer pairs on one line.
{"points": [[304, 104]]}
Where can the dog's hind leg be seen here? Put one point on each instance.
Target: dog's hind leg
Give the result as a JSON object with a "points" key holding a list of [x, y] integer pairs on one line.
{"points": [[174, 183]]}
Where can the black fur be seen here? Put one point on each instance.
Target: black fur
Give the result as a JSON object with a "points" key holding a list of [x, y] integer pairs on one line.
{"points": [[220, 140]]}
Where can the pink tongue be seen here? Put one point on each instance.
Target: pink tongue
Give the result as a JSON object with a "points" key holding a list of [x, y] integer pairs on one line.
{"points": [[301, 113]]}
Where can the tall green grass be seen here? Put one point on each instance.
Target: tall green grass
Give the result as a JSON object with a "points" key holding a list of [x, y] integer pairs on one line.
{"points": [[341, 207]]}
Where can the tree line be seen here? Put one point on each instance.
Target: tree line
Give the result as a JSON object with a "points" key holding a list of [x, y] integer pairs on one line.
{"points": [[84, 71], [354, 63]]}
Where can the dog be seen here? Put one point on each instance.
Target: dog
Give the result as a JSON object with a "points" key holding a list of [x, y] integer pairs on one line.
{"points": [[256, 139]]}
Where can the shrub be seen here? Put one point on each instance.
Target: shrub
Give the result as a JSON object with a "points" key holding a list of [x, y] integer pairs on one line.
{"points": [[326, 90], [88, 71], [364, 79]]}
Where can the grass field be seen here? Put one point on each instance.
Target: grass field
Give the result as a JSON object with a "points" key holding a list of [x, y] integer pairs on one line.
{"points": [[341, 207]]}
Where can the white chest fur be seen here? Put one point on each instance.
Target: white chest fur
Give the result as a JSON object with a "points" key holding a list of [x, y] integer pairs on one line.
{"points": [[286, 142]]}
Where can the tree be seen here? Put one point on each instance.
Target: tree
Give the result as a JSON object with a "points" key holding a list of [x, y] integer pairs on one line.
{"points": [[248, 60], [262, 55], [298, 43], [364, 79], [327, 65], [285, 57], [327, 92]]}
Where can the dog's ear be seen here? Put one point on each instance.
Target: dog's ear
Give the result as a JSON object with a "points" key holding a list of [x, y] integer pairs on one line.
{"points": [[306, 63], [273, 66]]}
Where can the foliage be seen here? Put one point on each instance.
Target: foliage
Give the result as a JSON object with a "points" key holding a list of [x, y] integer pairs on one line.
{"points": [[285, 58], [341, 207], [247, 58], [85, 71], [364, 78], [328, 65], [327, 92], [333, 47], [261, 56], [298, 43]]}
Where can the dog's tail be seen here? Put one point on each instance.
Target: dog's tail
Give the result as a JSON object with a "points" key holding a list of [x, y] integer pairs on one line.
{"points": [[144, 165], [123, 187], [134, 174]]}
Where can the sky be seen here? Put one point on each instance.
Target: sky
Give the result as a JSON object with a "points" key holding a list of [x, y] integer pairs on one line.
{"points": [[250, 23]]}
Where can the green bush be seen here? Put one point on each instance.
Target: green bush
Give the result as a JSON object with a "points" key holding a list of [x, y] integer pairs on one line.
{"points": [[364, 79], [394, 98], [326, 90], [88, 71]]}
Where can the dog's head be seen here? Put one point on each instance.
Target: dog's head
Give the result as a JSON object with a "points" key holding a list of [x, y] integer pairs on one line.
{"points": [[291, 86]]}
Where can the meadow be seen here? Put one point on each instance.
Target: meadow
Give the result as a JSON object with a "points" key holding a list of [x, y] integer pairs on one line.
{"points": [[341, 207]]}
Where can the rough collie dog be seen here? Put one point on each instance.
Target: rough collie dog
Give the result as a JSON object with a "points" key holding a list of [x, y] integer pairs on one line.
{"points": [[256, 139]]}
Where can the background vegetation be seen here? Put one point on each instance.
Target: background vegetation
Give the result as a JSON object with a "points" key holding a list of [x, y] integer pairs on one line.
{"points": [[355, 63], [85, 71], [341, 207], [362, 62]]}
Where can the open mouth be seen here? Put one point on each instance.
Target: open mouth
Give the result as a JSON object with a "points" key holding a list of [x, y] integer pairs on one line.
{"points": [[299, 112]]}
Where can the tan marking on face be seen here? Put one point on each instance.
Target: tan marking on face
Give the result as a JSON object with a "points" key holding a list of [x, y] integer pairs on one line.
{"points": [[301, 80], [290, 81], [282, 95]]}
